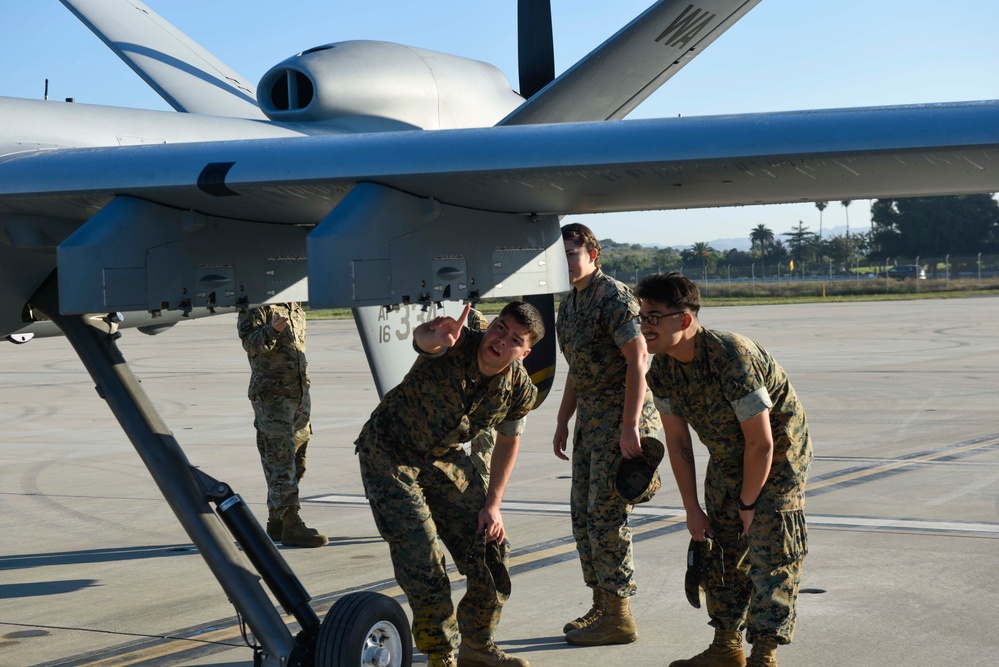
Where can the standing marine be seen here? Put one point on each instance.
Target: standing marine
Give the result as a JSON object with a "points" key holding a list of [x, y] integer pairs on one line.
{"points": [[273, 337], [599, 335]]}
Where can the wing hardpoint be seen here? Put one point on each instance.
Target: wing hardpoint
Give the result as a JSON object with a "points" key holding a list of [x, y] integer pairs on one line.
{"points": [[619, 74], [184, 74]]}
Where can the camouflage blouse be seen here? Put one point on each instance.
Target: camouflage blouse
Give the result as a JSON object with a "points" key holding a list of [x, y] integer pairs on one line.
{"points": [[445, 399], [277, 360], [592, 327], [730, 380]]}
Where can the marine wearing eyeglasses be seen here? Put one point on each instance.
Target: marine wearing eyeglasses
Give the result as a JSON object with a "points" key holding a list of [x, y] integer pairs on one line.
{"points": [[744, 409], [653, 318]]}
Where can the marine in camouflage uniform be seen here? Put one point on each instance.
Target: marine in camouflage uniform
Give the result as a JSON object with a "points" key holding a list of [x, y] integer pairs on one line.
{"points": [[594, 326], [421, 484], [743, 408], [279, 393]]}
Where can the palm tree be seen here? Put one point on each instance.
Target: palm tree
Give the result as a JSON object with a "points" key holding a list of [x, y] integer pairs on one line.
{"points": [[702, 251], [761, 236], [821, 205], [846, 209]]}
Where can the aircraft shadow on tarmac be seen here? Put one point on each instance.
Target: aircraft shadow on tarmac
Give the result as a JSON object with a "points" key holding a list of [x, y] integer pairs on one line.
{"points": [[90, 556], [43, 588]]}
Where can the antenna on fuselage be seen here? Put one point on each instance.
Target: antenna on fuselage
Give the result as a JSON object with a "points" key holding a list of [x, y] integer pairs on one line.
{"points": [[46, 89]]}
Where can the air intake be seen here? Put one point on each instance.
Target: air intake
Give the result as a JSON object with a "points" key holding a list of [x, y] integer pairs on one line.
{"points": [[291, 90]]}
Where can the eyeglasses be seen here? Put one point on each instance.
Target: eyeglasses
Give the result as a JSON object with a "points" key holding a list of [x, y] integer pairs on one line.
{"points": [[654, 319]]}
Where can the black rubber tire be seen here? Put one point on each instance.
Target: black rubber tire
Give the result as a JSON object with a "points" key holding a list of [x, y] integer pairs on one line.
{"points": [[364, 629]]}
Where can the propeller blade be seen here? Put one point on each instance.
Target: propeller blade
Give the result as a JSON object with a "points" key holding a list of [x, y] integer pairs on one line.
{"points": [[536, 50]]}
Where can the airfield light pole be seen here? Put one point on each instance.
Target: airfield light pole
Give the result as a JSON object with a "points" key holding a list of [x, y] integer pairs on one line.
{"points": [[916, 276]]}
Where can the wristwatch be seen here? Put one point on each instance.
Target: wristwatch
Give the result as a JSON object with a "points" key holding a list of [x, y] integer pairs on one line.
{"points": [[743, 507]]}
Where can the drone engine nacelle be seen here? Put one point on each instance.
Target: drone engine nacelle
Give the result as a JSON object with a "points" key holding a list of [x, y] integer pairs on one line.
{"points": [[366, 80]]}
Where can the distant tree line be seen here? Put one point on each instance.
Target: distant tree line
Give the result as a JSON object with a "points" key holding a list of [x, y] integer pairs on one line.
{"points": [[964, 224]]}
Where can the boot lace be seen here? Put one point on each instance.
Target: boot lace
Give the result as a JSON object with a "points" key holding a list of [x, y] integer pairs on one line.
{"points": [[442, 661]]}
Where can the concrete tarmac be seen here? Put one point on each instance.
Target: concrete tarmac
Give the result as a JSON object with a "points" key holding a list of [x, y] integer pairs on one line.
{"points": [[903, 500]]}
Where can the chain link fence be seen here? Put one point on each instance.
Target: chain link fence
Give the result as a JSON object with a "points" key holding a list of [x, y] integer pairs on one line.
{"points": [[828, 278]]}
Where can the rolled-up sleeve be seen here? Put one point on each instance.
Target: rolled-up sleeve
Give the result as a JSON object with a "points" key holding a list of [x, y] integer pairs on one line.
{"points": [[752, 404], [512, 427]]}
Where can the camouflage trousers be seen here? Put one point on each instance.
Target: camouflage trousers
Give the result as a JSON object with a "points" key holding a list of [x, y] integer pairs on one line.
{"points": [[599, 516], [414, 502], [762, 571], [283, 432]]}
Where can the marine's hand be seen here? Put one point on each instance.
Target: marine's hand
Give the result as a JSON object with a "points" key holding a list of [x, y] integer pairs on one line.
{"points": [[279, 322], [631, 443], [447, 330], [491, 521], [698, 525], [561, 441]]}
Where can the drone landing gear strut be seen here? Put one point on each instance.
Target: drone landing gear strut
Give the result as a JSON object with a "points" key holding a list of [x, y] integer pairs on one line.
{"points": [[362, 628]]}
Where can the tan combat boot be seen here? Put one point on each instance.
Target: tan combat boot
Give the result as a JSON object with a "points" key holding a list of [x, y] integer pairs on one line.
{"points": [[614, 626], [441, 660], [587, 618], [274, 526], [294, 532], [764, 653], [486, 654], [725, 651]]}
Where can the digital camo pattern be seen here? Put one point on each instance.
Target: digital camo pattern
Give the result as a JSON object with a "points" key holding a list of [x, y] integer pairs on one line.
{"points": [[277, 360], [283, 432], [279, 394], [763, 570], [414, 503], [591, 328], [726, 368], [452, 399], [421, 485], [481, 453], [476, 320]]}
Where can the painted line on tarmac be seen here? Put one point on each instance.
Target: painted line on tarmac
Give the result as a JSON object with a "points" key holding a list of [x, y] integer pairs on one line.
{"points": [[649, 522], [673, 514], [886, 467], [224, 635]]}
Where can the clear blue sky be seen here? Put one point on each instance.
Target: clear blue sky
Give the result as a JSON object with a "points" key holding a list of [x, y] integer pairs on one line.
{"points": [[784, 55]]}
